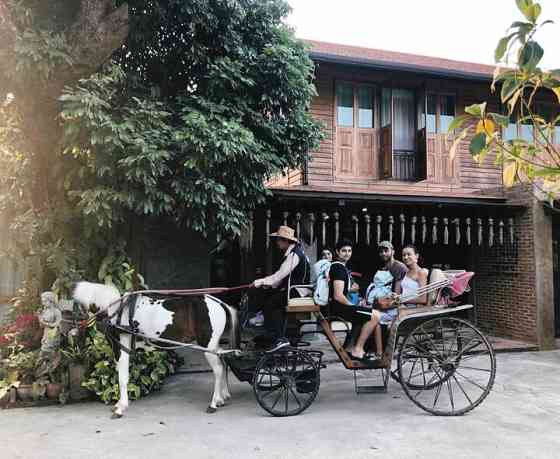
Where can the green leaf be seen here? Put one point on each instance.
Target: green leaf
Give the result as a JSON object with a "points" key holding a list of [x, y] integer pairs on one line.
{"points": [[509, 87], [476, 109], [456, 143], [478, 143], [530, 56], [502, 47], [500, 119], [533, 12], [509, 173], [457, 122], [557, 92], [523, 6]]}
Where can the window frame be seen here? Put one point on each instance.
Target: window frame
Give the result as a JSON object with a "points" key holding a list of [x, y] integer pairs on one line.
{"points": [[555, 137], [356, 100], [439, 104]]}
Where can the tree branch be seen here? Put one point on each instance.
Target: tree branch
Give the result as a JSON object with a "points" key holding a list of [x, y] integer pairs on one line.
{"points": [[99, 30]]}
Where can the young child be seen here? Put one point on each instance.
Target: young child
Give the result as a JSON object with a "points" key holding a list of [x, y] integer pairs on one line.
{"points": [[380, 288]]}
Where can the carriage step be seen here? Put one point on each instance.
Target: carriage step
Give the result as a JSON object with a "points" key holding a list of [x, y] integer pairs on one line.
{"points": [[372, 388]]}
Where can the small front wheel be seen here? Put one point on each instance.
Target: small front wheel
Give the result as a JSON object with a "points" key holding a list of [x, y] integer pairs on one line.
{"points": [[446, 366], [286, 382]]}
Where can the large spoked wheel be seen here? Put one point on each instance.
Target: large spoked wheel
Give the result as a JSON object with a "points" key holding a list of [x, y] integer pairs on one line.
{"points": [[446, 366], [286, 382]]}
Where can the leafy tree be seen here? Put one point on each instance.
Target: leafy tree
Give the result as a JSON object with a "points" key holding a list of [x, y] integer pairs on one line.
{"points": [[113, 112], [533, 158], [206, 101]]}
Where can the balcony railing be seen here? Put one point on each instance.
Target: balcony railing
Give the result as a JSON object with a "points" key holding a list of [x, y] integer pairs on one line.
{"points": [[404, 165]]}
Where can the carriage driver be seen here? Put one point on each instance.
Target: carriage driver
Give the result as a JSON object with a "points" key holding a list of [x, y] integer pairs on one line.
{"points": [[294, 270]]}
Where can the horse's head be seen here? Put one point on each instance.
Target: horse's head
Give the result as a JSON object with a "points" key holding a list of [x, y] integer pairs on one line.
{"points": [[103, 296]]}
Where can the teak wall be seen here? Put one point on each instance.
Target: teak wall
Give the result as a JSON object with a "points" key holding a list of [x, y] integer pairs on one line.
{"points": [[468, 176]]}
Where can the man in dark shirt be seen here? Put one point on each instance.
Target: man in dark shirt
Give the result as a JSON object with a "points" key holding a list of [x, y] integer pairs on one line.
{"points": [[340, 281]]}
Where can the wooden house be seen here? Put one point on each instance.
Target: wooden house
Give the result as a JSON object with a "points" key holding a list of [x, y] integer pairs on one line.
{"points": [[383, 171]]}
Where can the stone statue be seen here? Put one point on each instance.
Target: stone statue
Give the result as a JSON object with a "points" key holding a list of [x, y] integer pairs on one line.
{"points": [[49, 318]]}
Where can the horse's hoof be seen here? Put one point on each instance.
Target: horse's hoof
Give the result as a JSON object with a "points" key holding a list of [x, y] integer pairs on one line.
{"points": [[116, 416], [211, 410]]}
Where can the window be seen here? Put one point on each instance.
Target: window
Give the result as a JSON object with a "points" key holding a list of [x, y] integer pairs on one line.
{"points": [[365, 107], [526, 131], [447, 112], [510, 132], [440, 111], [345, 105], [431, 113]]}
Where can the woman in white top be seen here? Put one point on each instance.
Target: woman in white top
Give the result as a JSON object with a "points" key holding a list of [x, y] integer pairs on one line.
{"points": [[415, 278]]}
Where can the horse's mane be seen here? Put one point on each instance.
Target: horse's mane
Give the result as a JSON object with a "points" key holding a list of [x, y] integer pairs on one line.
{"points": [[103, 296]]}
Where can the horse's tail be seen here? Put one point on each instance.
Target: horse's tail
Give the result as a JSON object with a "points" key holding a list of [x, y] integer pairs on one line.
{"points": [[103, 296]]}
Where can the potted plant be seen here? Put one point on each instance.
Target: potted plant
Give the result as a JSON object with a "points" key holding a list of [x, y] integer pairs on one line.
{"points": [[21, 368], [75, 360]]}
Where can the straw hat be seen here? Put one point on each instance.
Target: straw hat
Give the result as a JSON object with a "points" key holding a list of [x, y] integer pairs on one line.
{"points": [[285, 232]]}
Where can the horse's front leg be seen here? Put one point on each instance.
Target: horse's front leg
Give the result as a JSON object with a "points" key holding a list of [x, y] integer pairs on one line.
{"points": [[123, 368], [218, 369]]}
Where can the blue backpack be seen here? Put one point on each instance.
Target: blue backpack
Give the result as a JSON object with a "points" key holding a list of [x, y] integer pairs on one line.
{"points": [[321, 295]]}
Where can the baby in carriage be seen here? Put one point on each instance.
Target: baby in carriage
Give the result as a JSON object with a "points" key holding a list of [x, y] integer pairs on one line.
{"points": [[381, 288]]}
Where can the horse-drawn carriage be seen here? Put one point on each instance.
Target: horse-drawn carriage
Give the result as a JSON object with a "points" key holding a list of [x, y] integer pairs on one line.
{"points": [[445, 364]]}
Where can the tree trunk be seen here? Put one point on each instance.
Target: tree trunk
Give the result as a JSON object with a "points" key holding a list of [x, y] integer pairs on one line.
{"points": [[98, 30], [7, 43]]}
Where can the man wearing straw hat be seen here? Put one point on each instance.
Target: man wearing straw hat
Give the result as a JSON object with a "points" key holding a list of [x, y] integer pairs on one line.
{"points": [[294, 270]]}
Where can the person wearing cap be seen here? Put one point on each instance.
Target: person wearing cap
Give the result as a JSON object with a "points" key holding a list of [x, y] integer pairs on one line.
{"points": [[398, 270], [294, 270]]}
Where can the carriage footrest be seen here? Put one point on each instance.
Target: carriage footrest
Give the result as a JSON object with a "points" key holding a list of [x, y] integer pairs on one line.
{"points": [[372, 388], [365, 389]]}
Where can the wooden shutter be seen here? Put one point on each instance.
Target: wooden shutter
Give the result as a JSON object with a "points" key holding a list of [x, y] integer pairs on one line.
{"points": [[421, 138], [386, 133]]}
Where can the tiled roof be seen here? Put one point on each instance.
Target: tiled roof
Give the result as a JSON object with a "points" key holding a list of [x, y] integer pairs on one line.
{"points": [[321, 50]]}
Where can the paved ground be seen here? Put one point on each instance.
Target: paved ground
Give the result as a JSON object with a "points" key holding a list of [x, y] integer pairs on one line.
{"points": [[520, 419]]}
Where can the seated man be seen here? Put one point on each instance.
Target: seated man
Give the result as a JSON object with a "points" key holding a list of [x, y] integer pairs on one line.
{"points": [[398, 271], [341, 284], [294, 270]]}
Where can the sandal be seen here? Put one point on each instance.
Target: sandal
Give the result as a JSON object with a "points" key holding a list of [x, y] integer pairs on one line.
{"points": [[355, 357]]}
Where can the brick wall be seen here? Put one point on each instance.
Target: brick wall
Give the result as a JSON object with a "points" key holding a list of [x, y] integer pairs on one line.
{"points": [[505, 281]]}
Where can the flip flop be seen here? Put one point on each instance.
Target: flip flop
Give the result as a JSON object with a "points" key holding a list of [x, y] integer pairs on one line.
{"points": [[355, 357]]}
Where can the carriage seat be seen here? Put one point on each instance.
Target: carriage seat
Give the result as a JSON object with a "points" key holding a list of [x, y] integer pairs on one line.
{"points": [[302, 304]]}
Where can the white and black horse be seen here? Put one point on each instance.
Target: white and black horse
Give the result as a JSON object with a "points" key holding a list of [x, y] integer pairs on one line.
{"points": [[150, 318]]}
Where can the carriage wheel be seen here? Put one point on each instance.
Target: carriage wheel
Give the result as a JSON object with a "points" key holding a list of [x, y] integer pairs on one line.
{"points": [[286, 382], [446, 366], [412, 381]]}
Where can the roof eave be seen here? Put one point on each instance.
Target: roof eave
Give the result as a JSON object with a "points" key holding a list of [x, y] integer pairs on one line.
{"points": [[440, 201], [384, 65]]}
